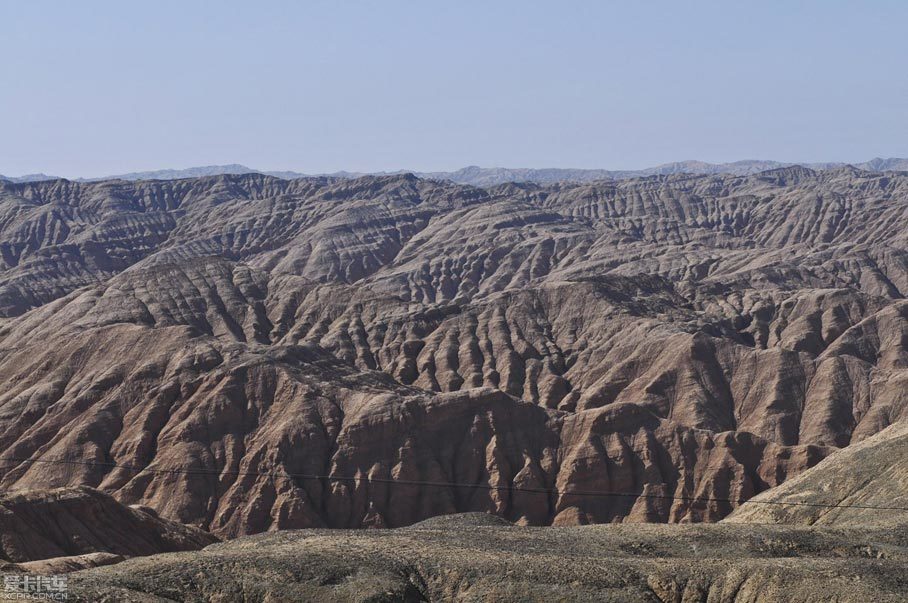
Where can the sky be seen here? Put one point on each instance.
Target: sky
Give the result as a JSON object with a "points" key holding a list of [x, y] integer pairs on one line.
{"points": [[96, 88]]}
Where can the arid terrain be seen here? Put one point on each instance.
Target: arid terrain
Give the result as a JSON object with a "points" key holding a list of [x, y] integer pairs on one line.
{"points": [[838, 532], [244, 354], [821, 539]]}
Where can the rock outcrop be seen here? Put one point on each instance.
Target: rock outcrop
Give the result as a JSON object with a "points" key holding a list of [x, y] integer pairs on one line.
{"points": [[73, 528]]}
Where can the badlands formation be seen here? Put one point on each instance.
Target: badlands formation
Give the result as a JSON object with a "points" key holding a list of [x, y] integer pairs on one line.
{"points": [[245, 354]]}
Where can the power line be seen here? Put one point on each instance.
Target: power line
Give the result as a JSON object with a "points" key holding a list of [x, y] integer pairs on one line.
{"points": [[430, 484]]}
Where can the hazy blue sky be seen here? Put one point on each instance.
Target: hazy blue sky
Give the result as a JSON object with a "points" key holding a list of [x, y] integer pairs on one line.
{"points": [[94, 88]]}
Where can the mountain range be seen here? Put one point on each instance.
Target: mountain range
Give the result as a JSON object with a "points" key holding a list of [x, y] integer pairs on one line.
{"points": [[478, 176]]}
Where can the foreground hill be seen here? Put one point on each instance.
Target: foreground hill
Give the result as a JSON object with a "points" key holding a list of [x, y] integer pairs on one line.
{"points": [[863, 485], [244, 353], [466, 559]]}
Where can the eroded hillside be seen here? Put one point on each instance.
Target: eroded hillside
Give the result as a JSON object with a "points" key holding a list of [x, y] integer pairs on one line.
{"points": [[245, 353]]}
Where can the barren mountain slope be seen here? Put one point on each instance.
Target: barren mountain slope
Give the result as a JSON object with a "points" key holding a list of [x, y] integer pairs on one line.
{"points": [[264, 354]]}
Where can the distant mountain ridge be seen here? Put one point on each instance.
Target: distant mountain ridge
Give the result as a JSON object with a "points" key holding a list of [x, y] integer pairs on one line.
{"points": [[479, 176], [28, 178], [193, 172]]}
